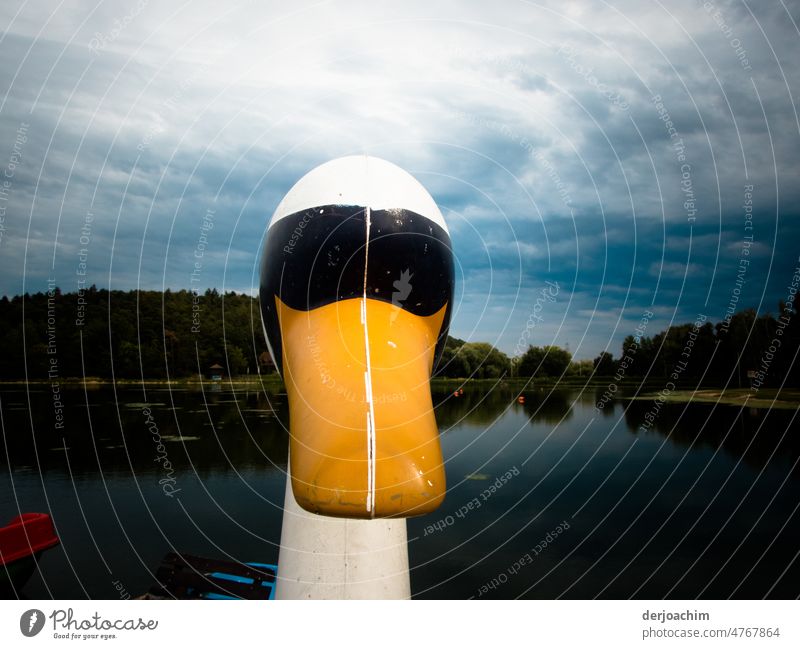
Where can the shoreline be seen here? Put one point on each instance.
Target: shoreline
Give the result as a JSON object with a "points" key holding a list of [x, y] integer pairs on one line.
{"points": [[786, 398], [765, 398]]}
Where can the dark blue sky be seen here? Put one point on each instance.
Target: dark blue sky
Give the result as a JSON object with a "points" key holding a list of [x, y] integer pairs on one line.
{"points": [[543, 132]]}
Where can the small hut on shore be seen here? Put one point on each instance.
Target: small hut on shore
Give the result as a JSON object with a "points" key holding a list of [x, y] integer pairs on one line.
{"points": [[216, 372]]}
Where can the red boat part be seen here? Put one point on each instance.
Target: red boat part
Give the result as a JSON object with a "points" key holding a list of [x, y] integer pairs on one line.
{"points": [[26, 535]]}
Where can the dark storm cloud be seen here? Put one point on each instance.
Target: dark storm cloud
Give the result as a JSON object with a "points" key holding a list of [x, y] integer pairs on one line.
{"points": [[534, 127]]}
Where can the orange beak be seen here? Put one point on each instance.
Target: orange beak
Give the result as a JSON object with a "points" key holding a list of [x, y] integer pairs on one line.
{"points": [[364, 440]]}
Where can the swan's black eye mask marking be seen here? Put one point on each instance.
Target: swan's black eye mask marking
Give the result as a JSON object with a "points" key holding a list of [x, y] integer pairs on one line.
{"points": [[317, 256]]}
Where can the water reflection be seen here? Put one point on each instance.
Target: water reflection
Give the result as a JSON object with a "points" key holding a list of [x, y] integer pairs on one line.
{"points": [[650, 514], [548, 406], [757, 436], [103, 430], [484, 403]]}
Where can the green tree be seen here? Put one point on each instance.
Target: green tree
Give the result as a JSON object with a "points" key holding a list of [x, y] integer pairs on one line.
{"points": [[550, 361], [476, 360], [604, 365], [237, 363]]}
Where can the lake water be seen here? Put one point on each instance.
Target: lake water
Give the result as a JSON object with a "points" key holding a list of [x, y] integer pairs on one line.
{"points": [[546, 499]]}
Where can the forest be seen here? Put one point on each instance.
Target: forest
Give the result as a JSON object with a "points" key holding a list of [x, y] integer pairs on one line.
{"points": [[177, 334], [129, 334]]}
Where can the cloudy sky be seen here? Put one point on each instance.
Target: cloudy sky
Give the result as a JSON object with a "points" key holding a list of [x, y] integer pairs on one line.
{"points": [[542, 130]]}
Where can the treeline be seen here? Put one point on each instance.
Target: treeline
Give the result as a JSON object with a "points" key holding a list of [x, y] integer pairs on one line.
{"points": [[147, 334], [155, 334], [743, 350], [746, 349], [461, 359]]}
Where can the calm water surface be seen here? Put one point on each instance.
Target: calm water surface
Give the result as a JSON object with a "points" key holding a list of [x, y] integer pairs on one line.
{"points": [[546, 499]]}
